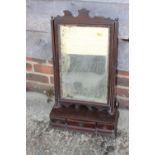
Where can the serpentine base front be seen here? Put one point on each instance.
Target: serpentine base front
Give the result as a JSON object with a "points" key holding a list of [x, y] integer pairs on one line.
{"points": [[84, 119]]}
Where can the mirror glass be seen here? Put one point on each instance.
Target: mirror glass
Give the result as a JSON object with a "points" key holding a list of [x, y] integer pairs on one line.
{"points": [[84, 62]]}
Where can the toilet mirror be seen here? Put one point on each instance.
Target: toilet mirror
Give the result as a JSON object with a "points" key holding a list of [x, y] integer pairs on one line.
{"points": [[85, 59]]}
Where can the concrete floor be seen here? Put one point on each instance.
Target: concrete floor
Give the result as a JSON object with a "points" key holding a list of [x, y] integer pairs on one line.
{"points": [[41, 140]]}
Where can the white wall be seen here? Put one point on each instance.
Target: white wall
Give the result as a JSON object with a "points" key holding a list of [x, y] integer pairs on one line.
{"points": [[39, 13]]}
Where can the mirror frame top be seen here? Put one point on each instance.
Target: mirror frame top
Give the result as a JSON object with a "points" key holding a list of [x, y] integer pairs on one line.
{"points": [[83, 19]]}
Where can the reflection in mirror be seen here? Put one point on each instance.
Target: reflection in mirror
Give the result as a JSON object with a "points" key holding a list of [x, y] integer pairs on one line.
{"points": [[84, 62]]}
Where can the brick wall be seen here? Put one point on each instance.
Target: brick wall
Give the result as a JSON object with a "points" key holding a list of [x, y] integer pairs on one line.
{"points": [[39, 77], [122, 88]]}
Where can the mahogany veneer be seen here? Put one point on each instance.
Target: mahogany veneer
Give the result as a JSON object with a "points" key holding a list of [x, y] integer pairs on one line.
{"points": [[85, 119], [78, 114]]}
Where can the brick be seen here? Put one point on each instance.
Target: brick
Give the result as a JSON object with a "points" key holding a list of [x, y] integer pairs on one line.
{"points": [[35, 60], [28, 59], [43, 69], [37, 78], [122, 92], [122, 81], [28, 88], [39, 60], [50, 61], [52, 79], [28, 67], [122, 73], [123, 103]]}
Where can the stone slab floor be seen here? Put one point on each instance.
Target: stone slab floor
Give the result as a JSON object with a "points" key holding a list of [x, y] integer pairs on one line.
{"points": [[42, 140]]}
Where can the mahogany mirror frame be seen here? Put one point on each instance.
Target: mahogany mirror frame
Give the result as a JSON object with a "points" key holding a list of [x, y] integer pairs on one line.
{"points": [[83, 19]]}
